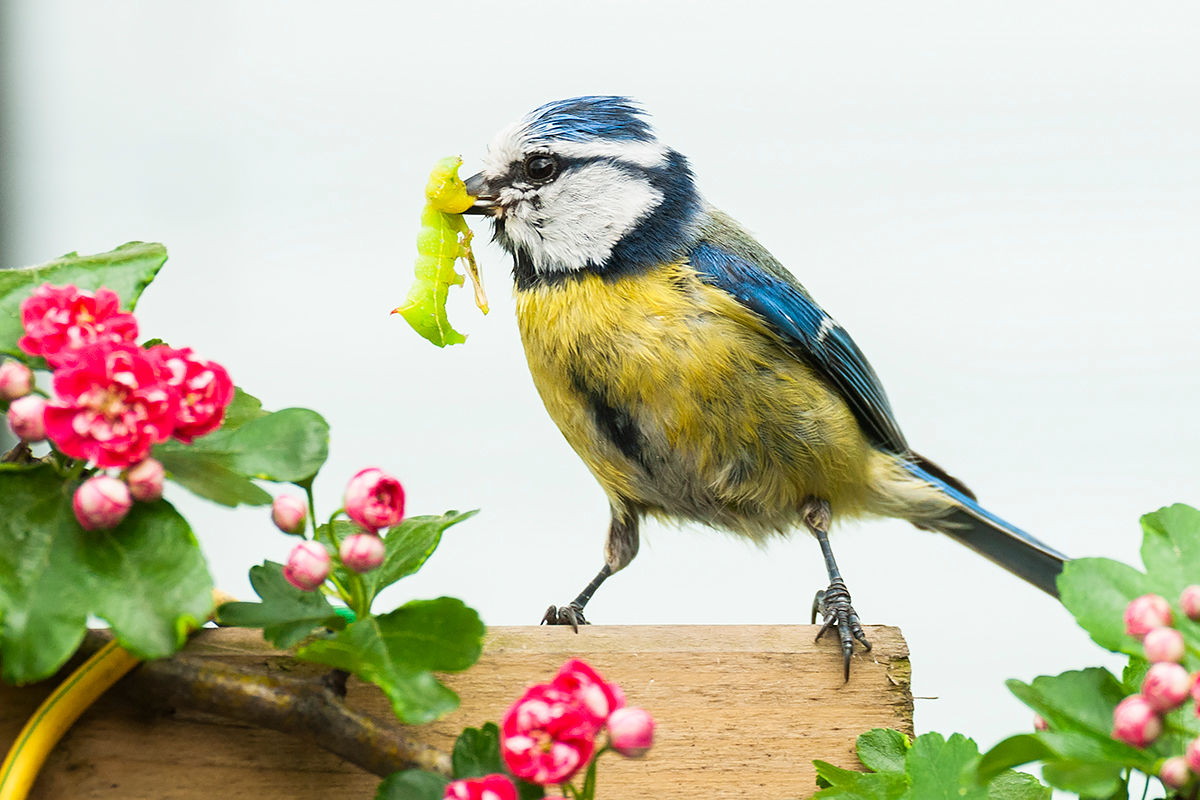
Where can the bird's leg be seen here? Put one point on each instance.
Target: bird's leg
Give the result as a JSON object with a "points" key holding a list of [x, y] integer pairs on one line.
{"points": [[619, 550], [572, 613], [833, 603]]}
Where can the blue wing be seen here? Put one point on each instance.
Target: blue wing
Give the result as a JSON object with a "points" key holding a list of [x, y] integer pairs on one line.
{"points": [[741, 267]]}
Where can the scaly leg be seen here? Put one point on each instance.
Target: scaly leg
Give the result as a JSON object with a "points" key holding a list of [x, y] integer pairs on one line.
{"points": [[833, 603], [619, 550]]}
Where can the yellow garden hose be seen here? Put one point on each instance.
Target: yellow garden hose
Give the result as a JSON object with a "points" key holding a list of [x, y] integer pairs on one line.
{"points": [[57, 714]]}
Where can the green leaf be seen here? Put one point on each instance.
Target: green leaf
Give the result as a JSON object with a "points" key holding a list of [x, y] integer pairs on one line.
{"points": [[126, 270], [399, 651], [150, 579], [883, 750], [943, 768], [846, 784], [288, 445], [286, 614], [244, 408], [1087, 779], [1096, 591], [412, 784], [147, 577], [1077, 700], [477, 752], [1017, 786], [408, 546]]}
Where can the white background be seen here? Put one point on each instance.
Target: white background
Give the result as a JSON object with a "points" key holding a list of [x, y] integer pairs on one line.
{"points": [[999, 200]]}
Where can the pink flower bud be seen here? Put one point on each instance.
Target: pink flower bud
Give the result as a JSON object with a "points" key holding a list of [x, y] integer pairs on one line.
{"points": [[362, 552], [489, 787], [307, 566], [1175, 772], [1145, 613], [631, 731], [1190, 601], [27, 417], [145, 480], [289, 514], [15, 380], [1166, 686], [1163, 644], [1039, 723], [101, 502], [1135, 722], [374, 499], [1192, 755]]}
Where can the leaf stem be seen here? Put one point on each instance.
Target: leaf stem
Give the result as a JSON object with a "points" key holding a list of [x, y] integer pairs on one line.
{"points": [[306, 485]]}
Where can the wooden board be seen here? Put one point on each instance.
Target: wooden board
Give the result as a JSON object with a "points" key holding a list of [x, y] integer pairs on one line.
{"points": [[741, 713]]}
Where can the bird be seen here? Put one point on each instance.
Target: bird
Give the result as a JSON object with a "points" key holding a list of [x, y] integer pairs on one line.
{"points": [[691, 371]]}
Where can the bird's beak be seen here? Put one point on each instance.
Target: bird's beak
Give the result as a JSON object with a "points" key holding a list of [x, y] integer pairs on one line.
{"points": [[486, 199]]}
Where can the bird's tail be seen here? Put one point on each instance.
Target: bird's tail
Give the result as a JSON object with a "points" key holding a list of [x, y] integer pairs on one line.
{"points": [[985, 533]]}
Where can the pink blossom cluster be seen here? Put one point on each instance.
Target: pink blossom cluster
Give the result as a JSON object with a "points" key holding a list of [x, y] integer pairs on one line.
{"points": [[1137, 720], [550, 733], [374, 500], [113, 400]]}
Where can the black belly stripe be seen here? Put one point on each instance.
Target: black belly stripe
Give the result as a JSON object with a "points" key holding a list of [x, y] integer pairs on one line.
{"points": [[615, 423]]}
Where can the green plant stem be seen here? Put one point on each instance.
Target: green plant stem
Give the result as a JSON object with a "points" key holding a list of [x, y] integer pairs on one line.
{"points": [[312, 505]]}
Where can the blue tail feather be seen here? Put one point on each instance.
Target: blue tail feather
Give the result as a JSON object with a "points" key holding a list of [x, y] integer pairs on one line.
{"points": [[1002, 542]]}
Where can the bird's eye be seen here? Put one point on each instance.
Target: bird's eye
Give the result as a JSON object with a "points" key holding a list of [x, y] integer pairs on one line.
{"points": [[541, 168]]}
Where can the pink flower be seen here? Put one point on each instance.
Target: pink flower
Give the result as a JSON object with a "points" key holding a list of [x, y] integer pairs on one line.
{"points": [[204, 390], [1163, 644], [16, 380], [145, 480], [1145, 613], [1192, 755], [1135, 721], [546, 737], [307, 566], [1189, 600], [489, 787], [112, 406], [101, 502], [362, 552], [1165, 686], [61, 320], [1175, 772], [289, 513], [595, 696], [374, 499], [27, 417], [631, 731]]}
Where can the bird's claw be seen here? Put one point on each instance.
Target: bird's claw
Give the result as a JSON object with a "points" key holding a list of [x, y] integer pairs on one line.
{"points": [[569, 614], [833, 604]]}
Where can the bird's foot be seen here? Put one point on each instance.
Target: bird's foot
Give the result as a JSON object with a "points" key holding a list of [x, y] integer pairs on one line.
{"points": [[570, 614], [833, 604]]}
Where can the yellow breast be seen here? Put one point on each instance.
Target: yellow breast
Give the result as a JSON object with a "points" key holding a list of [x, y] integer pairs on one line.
{"points": [[683, 403]]}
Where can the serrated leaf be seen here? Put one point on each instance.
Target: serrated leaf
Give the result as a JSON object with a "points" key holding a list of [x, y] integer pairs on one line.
{"points": [[147, 577], [244, 408], [1012, 785], [1096, 591], [399, 651], [286, 614], [412, 784], [883, 750], [1081, 700], [943, 768], [408, 545], [286, 446], [477, 752], [127, 270], [845, 784]]}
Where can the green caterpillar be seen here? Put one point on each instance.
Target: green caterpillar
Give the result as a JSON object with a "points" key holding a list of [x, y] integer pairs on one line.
{"points": [[443, 239]]}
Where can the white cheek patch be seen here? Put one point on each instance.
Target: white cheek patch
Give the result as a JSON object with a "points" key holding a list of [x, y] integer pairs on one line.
{"points": [[578, 219]]}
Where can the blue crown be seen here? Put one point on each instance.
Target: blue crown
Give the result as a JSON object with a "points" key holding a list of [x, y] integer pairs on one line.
{"points": [[581, 119]]}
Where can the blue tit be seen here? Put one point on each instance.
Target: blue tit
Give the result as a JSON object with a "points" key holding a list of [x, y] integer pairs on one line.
{"points": [[689, 369]]}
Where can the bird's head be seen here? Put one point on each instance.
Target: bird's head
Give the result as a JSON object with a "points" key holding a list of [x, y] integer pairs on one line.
{"points": [[584, 185]]}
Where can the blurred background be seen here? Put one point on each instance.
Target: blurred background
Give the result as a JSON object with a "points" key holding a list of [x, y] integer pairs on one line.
{"points": [[1001, 202]]}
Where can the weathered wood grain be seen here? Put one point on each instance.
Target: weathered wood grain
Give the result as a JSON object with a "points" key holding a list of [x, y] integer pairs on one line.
{"points": [[741, 712]]}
